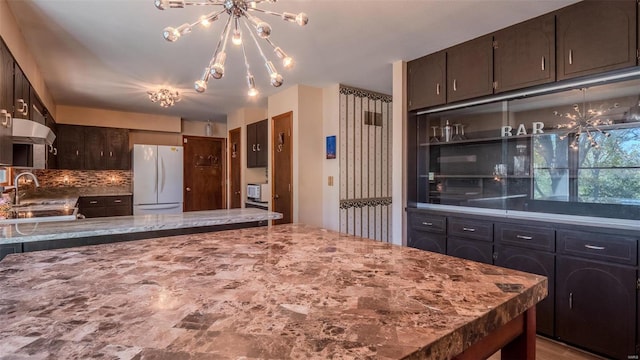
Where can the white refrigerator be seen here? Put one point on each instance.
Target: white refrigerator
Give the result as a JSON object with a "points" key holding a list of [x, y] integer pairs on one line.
{"points": [[157, 179]]}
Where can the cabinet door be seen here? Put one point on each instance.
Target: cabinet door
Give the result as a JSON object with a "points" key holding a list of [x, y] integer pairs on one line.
{"points": [[470, 69], [426, 85], [524, 54], [52, 156], [6, 105], [596, 36], [22, 94], [596, 306], [534, 262], [480, 251], [94, 148], [425, 240], [70, 147], [262, 150], [117, 153], [251, 145]]}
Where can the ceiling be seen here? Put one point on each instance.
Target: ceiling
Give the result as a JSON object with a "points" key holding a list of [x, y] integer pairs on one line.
{"points": [[108, 54]]}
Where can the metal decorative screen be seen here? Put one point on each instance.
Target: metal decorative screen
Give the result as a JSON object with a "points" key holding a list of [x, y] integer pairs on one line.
{"points": [[365, 163]]}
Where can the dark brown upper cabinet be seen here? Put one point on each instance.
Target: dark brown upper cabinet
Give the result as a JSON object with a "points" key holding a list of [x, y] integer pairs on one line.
{"points": [[257, 135], [21, 95], [6, 105], [426, 78], [470, 69], [93, 148], [524, 54], [596, 36]]}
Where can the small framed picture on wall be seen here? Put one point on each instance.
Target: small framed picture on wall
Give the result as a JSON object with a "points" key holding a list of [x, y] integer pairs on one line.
{"points": [[331, 147]]}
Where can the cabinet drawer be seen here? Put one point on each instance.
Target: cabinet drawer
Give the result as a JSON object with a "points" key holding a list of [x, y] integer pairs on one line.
{"points": [[531, 237], [428, 222], [122, 210], [613, 248], [470, 229], [92, 201], [118, 200]]}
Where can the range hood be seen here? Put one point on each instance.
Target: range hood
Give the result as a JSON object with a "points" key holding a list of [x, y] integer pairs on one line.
{"points": [[31, 132]]}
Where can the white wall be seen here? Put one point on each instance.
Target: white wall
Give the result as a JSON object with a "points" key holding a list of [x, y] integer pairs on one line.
{"points": [[399, 151], [239, 119], [308, 148], [331, 167]]}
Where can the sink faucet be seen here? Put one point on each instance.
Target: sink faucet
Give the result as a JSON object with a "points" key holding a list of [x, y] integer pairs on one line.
{"points": [[15, 183]]}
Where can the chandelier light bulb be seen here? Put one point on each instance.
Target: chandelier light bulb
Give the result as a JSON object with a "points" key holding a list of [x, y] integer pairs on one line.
{"points": [[236, 39], [287, 61], [204, 21], [302, 19], [170, 34], [263, 29], [200, 86], [252, 86], [169, 4]]}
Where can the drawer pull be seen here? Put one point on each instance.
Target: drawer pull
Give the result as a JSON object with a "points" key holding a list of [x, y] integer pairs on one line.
{"points": [[468, 229], [570, 300], [93, 202], [593, 247], [427, 223], [117, 201], [524, 237]]}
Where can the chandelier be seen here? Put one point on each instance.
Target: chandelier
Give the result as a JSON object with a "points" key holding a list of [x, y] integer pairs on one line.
{"points": [[239, 12], [166, 97], [585, 122]]}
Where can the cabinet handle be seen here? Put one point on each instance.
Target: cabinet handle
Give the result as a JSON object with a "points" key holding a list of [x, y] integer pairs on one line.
{"points": [[427, 223], [77, 153], [23, 107], [55, 151], [258, 147], [117, 201], [455, 85], [254, 147], [542, 64], [524, 237], [110, 153], [101, 153], [570, 57], [93, 202], [570, 300], [593, 247], [7, 118], [468, 229], [437, 88]]}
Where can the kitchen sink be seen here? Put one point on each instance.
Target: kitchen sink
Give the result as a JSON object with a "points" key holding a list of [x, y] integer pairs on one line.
{"points": [[25, 213]]}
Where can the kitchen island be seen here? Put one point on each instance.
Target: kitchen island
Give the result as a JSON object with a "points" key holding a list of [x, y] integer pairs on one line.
{"points": [[278, 292], [53, 235]]}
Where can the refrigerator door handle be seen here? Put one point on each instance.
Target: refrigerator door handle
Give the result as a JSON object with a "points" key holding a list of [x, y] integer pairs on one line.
{"points": [[163, 174], [156, 179]]}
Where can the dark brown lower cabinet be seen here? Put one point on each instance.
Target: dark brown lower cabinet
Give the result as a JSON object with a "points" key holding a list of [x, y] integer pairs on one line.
{"points": [[595, 306], [101, 206], [476, 250], [425, 240], [534, 262], [6, 249]]}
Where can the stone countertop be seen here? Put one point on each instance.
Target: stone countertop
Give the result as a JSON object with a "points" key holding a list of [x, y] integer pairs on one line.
{"points": [[278, 292], [29, 232]]}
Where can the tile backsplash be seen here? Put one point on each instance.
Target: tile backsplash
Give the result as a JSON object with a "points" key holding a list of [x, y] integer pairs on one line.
{"points": [[84, 178]]}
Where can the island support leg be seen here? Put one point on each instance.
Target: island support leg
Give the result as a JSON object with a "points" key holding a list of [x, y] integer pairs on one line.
{"points": [[523, 346]]}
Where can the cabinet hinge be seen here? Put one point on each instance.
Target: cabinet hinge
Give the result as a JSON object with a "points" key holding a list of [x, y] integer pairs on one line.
{"points": [[638, 50], [495, 85], [638, 284], [409, 102], [495, 44]]}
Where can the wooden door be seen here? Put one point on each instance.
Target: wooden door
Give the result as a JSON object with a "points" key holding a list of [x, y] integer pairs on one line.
{"points": [[204, 173], [534, 262], [282, 177], [262, 140], [94, 145], [117, 149], [595, 306], [596, 36], [6, 104], [426, 81], [524, 54], [70, 147], [22, 94], [470, 69], [235, 178]]}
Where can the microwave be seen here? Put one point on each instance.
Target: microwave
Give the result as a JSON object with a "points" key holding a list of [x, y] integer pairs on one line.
{"points": [[259, 192]]}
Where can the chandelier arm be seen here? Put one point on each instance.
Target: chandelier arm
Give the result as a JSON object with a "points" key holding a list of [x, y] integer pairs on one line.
{"points": [[264, 57], [215, 53], [211, 17], [265, 11], [253, 19], [204, 3], [227, 29]]}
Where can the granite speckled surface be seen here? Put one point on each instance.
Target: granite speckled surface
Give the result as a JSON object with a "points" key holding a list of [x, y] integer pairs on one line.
{"points": [[28, 232], [282, 292]]}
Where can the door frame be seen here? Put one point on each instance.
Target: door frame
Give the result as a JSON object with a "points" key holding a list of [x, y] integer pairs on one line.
{"points": [[288, 115], [230, 167]]}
